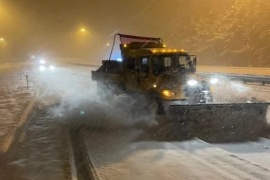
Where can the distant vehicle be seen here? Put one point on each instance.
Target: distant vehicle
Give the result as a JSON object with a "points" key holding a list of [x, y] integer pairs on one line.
{"points": [[42, 64], [167, 76]]}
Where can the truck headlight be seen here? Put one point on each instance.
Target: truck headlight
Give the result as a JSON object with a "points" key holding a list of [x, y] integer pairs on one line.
{"points": [[168, 93], [214, 81], [192, 82]]}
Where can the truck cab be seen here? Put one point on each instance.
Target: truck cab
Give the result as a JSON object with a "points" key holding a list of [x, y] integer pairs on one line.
{"points": [[169, 73], [150, 68]]}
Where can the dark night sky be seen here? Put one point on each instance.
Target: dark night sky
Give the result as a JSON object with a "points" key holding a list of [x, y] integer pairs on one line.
{"points": [[52, 27]]}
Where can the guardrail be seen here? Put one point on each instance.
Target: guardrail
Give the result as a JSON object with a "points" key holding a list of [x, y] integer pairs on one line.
{"points": [[263, 80]]}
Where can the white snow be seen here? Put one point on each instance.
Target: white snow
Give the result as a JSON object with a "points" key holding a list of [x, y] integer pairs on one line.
{"points": [[227, 91], [14, 97], [257, 152], [118, 155]]}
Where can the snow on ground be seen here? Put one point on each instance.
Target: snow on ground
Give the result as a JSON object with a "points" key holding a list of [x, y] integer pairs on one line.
{"points": [[14, 96], [118, 155], [235, 91], [257, 152], [40, 151]]}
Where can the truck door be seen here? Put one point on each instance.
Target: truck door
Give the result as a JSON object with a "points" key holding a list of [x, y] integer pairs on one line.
{"points": [[137, 74], [144, 73], [132, 82]]}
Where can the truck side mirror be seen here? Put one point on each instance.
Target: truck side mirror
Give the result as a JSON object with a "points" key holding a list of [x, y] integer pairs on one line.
{"points": [[193, 59]]}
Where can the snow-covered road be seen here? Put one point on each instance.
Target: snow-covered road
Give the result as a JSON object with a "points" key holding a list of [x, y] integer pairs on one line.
{"points": [[123, 154], [118, 155], [257, 152]]}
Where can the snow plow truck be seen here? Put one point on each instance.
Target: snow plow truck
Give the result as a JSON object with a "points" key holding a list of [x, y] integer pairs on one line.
{"points": [[184, 99]]}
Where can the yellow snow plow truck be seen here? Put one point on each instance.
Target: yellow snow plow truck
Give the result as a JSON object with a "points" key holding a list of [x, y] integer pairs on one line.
{"points": [[183, 98]]}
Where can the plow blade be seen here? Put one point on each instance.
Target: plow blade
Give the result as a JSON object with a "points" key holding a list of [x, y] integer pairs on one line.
{"points": [[220, 122]]}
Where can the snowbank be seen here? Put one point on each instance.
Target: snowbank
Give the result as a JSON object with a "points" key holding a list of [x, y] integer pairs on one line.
{"points": [[14, 98]]}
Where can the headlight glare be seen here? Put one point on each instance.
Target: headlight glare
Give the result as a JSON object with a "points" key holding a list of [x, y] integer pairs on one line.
{"points": [[42, 68], [52, 68], [214, 81], [192, 82], [42, 61]]}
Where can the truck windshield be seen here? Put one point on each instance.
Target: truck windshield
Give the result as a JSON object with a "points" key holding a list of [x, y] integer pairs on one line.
{"points": [[170, 63]]}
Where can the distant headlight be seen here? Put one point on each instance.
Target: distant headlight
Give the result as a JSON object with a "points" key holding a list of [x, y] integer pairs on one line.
{"points": [[214, 81], [42, 68], [168, 93], [192, 82], [42, 61], [52, 68]]}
